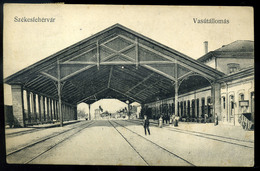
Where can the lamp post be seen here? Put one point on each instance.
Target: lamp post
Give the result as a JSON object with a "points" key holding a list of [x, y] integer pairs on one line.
{"points": [[128, 111]]}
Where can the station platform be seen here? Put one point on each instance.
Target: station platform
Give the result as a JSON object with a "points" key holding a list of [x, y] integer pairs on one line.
{"points": [[235, 132], [9, 131]]}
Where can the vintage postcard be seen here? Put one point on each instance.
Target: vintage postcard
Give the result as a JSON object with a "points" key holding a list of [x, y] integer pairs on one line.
{"points": [[131, 85]]}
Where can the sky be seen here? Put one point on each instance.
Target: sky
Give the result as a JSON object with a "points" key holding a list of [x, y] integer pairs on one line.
{"points": [[28, 42]]}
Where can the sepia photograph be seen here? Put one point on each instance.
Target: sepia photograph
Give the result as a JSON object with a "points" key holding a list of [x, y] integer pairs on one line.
{"points": [[129, 85]]}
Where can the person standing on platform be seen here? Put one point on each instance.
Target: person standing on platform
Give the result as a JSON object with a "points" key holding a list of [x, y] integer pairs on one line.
{"points": [[205, 118], [173, 119], [170, 121], [163, 118], [176, 119], [160, 121], [146, 124]]}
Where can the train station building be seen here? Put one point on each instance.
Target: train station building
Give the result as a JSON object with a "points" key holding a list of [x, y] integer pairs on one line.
{"points": [[123, 64]]}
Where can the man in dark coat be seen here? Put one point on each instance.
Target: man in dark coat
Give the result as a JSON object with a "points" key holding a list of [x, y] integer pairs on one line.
{"points": [[146, 124]]}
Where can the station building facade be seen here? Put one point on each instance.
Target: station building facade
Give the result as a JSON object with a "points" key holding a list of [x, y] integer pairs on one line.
{"points": [[236, 88]]}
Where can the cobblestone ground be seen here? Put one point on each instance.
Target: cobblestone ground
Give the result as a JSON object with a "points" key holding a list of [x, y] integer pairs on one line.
{"points": [[119, 142]]}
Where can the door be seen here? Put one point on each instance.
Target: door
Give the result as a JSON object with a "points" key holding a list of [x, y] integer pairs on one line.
{"points": [[231, 109], [202, 107], [198, 107], [209, 107], [193, 108], [188, 108], [185, 108], [181, 108]]}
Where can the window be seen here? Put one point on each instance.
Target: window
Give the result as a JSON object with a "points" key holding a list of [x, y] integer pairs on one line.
{"points": [[208, 100], [233, 67], [232, 105], [232, 101], [241, 97]]}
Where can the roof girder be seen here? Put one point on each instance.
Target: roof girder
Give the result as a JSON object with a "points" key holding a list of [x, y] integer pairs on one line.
{"points": [[68, 55]]}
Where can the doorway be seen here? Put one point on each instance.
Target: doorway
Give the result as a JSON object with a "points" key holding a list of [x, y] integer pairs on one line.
{"points": [[193, 108], [231, 108], [202, 107]]}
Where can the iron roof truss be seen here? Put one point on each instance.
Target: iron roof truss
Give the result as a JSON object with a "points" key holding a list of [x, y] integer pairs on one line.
{"points": [[116, 62]]}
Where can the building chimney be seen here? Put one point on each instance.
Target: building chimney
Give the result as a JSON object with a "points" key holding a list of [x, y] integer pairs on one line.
{"points": [[206, 47]]}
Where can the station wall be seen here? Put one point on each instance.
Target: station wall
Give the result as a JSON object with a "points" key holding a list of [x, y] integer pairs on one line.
{"points": [[232, 93], [192, 106]]}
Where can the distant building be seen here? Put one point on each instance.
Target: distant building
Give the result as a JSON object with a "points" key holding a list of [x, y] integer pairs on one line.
{"points": [[97, 113]]}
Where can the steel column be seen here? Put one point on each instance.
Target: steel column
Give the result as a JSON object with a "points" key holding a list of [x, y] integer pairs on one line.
{"points": [[59, 92], [44, 108], [51, 109], [89, 114], [48, 108], [28, 105], [76, 113], [34, 106], [39, 107], [176, 89], [57, 112], [216, 100]]}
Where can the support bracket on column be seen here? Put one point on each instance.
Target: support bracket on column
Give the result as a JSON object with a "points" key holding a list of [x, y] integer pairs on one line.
{"points": [[89, 105]]}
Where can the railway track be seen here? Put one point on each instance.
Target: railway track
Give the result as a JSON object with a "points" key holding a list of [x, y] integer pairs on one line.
{"points": [[149, 151], [13, 134], [178, 159], [224, 139], [32, 130], [129, 144], [29, 152]]}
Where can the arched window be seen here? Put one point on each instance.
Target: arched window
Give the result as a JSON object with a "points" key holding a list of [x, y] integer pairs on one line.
{"points": [[241, 97], [231, 97], [208, 100]]}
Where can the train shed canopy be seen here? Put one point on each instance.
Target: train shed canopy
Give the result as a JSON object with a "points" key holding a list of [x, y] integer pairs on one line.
{"points": [[114, 63]]}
